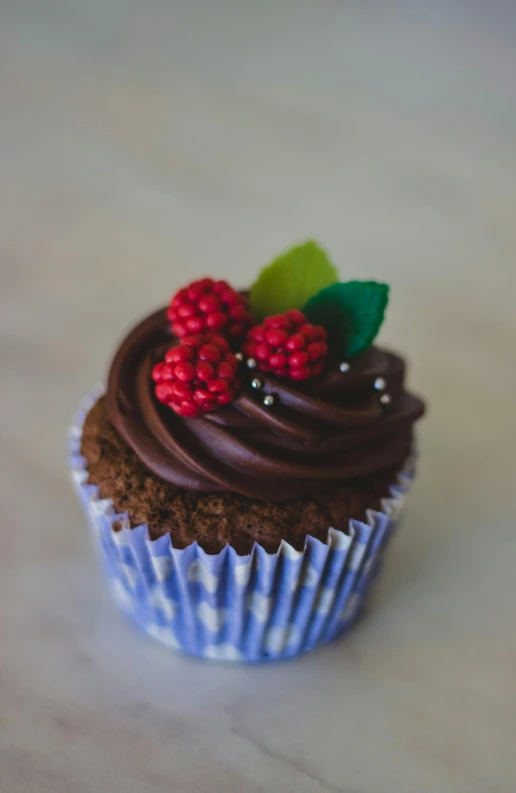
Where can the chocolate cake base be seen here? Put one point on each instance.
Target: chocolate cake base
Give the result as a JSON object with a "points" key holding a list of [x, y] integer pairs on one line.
{"points": [[215, 519]]}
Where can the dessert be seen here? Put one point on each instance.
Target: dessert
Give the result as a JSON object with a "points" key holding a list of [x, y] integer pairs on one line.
{"points": [[243, 468]]}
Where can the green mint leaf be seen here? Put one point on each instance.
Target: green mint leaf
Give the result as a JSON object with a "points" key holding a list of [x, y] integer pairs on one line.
{"points": [[352, 313], [291, 280]]}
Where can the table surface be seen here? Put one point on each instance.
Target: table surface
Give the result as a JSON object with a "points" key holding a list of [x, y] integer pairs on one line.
{"points": [[144, 143]]}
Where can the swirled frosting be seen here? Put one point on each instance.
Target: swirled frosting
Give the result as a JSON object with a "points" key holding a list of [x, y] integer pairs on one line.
{"points": [[325, 430]]}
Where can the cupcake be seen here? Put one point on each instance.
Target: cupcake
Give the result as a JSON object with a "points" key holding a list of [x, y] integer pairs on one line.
{"points": [[244, 466]]}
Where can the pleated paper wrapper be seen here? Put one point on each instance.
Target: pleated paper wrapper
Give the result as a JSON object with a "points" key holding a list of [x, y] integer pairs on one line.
{"points": [[230, 607]]}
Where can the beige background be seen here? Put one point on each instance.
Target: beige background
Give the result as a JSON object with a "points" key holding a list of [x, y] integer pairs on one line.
{"points": [[144, 143]]}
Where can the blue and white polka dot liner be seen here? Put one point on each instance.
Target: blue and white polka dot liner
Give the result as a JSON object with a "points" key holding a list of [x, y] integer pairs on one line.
{"points": [[229, 607]]}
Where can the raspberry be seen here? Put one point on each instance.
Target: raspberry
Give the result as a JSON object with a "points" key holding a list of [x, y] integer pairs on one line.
{"points": [[208, 305], [198, 375], [288, 346]]}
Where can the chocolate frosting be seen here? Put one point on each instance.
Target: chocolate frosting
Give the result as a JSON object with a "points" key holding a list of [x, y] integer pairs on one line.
{"points": [[319, 432]]}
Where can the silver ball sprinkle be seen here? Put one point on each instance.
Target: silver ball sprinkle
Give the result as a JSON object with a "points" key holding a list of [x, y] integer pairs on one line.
{"points": [[268, 401], [251, 363], [344, 367], [380, 383], [386, 399], [256, 383], [239, 356]]}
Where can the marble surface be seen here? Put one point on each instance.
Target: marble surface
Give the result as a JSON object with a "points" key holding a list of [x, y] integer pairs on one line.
{"points": [[144, 143]]}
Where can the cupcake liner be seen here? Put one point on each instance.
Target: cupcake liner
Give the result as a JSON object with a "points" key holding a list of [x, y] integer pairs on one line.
{"points": [[229, 607]]}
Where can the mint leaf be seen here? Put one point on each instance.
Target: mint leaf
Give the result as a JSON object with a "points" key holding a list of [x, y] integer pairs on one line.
{"points": [[291, 279], [352, 313]]}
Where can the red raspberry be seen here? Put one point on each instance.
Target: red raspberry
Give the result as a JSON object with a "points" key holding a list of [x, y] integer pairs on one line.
{"points": [[198, 375], [288, 346], [208, 305]]}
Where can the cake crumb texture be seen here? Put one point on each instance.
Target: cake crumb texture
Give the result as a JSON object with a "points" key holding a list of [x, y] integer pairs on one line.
{"points": [[215, 519]]}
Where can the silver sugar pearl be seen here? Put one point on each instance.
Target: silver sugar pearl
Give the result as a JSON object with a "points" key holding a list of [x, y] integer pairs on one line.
{"points": [[386, 399], [256, 383], [344, 367], [251, 363], [380, 383], [239, 356], [268, 401]]}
